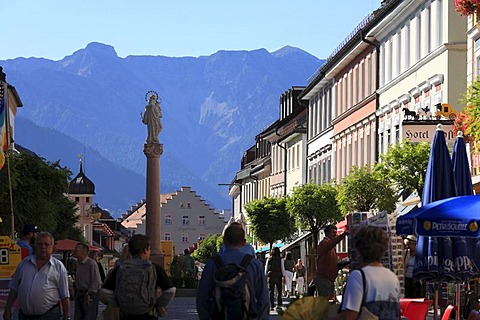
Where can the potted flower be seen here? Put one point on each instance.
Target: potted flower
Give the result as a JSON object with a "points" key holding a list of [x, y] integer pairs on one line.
{"points": [[467, 120], [466, 7]]}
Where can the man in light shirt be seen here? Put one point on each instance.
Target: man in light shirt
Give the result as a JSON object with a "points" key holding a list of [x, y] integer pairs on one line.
{"points": [[41, 285]]}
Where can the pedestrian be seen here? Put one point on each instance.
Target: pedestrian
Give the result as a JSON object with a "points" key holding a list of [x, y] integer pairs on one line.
{"points": [[163, 289], [88, 282], [93, 254], [247, 247], [40, 282], [27, 241], [289, 266], [327, 263], [413, 288], [299, 278], [234, 240], [188, 263], [373, 286], [275, 271]]}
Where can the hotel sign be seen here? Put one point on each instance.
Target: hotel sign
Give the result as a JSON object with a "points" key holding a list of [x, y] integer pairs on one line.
{"points": [[425, 132]]}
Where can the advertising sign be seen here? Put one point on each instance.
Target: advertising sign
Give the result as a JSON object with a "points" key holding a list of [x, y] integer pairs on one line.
{"points": [[10, 257]]}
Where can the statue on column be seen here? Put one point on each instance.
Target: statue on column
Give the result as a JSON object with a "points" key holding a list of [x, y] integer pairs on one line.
{"points": [[151, 117]]}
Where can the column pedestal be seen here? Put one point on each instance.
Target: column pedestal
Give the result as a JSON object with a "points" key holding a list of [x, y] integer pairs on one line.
{"points": [[153, 151]]}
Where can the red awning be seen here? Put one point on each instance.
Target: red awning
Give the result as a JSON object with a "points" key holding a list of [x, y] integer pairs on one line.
{"points": [[69, 245]]}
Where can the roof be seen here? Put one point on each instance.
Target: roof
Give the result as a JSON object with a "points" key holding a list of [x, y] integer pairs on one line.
{"points": [[81, 184], [135, 218]]}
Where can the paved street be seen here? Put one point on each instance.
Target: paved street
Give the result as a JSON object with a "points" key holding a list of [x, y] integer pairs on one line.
{"points": [[183, 308]]}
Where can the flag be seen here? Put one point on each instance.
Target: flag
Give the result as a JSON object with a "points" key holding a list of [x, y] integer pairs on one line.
{"points": [[3, 127]]}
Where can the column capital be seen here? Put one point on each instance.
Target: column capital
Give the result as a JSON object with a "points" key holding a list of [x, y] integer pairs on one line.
{"points": [[153, 150]]}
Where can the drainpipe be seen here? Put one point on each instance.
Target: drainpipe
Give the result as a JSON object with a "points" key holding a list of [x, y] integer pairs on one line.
{"points": [[377, 85]]}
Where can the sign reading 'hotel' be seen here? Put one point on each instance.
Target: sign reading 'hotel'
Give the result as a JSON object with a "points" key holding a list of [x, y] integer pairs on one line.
{"points": [[426, 132]]}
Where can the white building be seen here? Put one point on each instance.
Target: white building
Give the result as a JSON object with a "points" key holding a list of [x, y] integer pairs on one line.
{"points": [[185, 219]]}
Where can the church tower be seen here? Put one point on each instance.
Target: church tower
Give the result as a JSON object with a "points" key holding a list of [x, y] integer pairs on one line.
{"points": [[81, 190]]}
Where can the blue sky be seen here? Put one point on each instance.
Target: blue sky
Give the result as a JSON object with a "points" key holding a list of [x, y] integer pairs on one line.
{"points": [[53, 28]]}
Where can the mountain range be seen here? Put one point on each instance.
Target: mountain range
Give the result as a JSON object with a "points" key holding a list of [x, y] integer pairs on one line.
{"points": [[90, 102]]}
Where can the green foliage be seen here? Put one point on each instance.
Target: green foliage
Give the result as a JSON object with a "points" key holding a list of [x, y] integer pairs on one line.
{"points": [[207, 248], [405, 166], [363, 190], [39, 189], [269, 220], [471, 113], [179, 276], [314, 206]]}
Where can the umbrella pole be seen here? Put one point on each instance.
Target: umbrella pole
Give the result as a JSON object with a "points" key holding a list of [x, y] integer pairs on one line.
{"points": [[457, 298], [435, 303]]}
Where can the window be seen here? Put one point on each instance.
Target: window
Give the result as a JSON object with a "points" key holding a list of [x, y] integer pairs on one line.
{"points": [[167, 236], [189, 206], [168, 219], [381, 144], [201, 236], [407, 45], [182, 205], [185, 221], [184, 237], [201, 220]]}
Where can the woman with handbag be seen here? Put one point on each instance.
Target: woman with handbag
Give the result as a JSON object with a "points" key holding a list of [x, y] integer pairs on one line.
{"points": [[372, 292]]}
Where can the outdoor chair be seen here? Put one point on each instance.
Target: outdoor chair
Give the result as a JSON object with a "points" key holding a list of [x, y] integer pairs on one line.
{"points": [[448, 312], [417, 310], [404, 302]]}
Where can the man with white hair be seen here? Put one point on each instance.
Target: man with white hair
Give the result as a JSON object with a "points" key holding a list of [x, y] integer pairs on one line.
{"points": [[41, 285]]}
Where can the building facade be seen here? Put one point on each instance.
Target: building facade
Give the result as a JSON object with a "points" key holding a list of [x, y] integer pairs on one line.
{"points": [[186, 219], [422, 69]]}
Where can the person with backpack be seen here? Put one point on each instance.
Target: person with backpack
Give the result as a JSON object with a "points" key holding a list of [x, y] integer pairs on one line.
{"points": [[134, 283], [233, 285]]}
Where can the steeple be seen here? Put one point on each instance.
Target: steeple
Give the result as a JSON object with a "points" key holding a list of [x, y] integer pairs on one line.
{"points": [[81, 184]]}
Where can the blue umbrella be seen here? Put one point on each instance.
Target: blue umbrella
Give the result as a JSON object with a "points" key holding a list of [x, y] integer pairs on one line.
{"points": [[454, 217], [433, 252], [464, 187], [461, 167]]}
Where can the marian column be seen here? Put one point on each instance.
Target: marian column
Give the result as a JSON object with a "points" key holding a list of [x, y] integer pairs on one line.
{"points": [[153, 150]]}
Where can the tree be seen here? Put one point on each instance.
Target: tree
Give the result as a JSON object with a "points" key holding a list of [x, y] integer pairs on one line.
{"points": [[269, 220], [314, 207], [38, 191], [363, 190], [405, 166], [209, 247]]}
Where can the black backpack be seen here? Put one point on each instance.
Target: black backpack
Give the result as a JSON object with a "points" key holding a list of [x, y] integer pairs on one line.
{"points": [[233, 291]]}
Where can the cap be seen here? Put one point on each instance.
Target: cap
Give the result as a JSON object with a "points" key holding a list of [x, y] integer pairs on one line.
{"points": [[30, 228], [411, 238]]}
